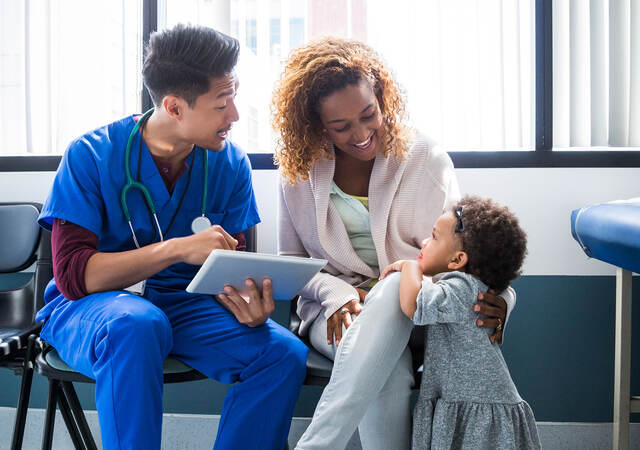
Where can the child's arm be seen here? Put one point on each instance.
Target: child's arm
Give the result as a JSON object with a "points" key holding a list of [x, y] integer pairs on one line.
{"points": [[410, 284]]}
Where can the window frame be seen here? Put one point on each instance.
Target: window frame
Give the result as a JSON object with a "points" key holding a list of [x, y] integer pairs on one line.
{"points": [[542, 156]]}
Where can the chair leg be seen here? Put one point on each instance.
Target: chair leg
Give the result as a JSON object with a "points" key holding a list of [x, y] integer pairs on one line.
{"points": [[81, 420], [25, 393], [72, 427], [49, 422]]}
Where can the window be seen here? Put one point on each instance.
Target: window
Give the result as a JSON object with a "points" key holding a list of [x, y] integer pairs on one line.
{"points": [[67, 67], [596, 74], [466, 69]]}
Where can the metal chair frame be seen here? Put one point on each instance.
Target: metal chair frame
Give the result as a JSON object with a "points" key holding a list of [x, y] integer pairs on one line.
{"points": [[29, 297], [62, 394]]}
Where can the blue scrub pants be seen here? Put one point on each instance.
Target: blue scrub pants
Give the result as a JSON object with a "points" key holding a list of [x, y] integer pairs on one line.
{"points": [[121, 340]]}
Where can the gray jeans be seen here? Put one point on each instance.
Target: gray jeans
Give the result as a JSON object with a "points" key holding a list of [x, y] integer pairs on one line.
{"points": [[371, 381]]}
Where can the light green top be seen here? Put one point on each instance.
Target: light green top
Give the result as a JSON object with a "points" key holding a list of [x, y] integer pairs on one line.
{"points": [[354, 212]]}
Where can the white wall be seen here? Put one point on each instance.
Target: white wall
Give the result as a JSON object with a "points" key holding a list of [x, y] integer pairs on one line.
{"points": [[542, 198]]}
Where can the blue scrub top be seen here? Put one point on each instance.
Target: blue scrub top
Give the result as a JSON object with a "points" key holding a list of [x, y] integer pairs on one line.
{"points": [[86, 191]]}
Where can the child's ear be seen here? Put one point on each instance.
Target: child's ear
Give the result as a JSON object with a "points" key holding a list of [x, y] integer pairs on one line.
{"points": [[458, 261]]}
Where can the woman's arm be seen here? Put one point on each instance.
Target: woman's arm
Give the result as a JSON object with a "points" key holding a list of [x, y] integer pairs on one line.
{"points": [[289, 243], [497, 307], [330, 291]]}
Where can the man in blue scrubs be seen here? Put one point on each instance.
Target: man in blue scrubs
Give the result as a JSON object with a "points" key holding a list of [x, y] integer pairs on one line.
{"points": [[121, 339]]}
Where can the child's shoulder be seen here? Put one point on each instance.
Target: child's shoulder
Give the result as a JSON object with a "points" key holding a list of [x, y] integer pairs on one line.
{"points": [[460, 281]]}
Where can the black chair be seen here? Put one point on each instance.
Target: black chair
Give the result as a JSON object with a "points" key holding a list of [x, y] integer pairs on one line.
{"points": [[22, 243], [62, 393], [319, 367]]}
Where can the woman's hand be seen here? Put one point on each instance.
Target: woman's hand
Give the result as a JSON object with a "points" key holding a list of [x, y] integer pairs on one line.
{"points": [[343, 316], [395, 267], [495, 308]]}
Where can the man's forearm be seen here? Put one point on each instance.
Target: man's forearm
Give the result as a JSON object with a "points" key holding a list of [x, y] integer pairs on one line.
{"points": [[119, 270]]}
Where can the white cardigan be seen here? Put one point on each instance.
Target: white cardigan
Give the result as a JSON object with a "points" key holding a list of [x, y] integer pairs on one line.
{"points": [[406, 197]]}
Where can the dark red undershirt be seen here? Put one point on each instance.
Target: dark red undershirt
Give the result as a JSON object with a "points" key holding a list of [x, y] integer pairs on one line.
{"points": [[73, 245]]}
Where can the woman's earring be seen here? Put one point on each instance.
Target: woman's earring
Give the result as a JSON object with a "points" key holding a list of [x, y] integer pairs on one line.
{"points": [[327, 145]]}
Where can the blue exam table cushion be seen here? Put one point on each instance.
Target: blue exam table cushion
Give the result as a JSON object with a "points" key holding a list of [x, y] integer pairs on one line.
{"points": [[610, 232]]}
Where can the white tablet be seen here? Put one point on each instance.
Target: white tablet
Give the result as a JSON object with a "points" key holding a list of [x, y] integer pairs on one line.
{"points": [[288, 274]]}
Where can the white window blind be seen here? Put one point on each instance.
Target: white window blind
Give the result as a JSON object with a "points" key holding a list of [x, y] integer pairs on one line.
{"points": [[465, 65], [67, 67], [596, 73]]}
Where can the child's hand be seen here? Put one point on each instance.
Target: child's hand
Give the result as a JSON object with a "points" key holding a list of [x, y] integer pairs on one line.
{"points": [[395, 267]]}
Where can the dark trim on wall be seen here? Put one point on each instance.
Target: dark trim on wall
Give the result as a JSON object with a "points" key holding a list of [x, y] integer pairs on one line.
{"points": [[29, 163], [49, 163], [544, 159], [544, 76], [262, 161], [461, 160]]}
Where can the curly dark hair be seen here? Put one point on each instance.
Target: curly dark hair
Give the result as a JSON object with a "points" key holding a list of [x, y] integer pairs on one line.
{"points": [[312, 73], [492, 239]]}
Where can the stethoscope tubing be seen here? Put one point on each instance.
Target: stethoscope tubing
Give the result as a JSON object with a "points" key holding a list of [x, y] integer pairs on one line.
{"points": [[133, 184]]}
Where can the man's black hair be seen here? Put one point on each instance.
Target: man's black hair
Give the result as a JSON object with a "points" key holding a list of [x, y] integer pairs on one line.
{"points": [[182, 60]]}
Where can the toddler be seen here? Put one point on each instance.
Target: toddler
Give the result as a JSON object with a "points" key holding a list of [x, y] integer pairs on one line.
{"points": [[467, 397]]}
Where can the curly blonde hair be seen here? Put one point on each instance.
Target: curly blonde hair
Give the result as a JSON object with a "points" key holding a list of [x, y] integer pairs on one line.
{"points": [[312, 73]]}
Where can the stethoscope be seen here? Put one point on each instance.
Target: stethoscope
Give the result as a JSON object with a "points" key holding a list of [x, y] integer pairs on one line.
{"points": [[198, 224]]}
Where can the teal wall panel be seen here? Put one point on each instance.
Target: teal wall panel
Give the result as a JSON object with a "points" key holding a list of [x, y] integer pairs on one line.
{"points": [[559, 347]]}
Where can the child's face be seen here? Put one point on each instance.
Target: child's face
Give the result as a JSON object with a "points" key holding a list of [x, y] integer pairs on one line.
{"points": [[441, 252]]}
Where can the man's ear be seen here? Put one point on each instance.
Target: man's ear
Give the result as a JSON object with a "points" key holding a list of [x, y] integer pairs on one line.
{"points": [[173, 106], [458, 261]]}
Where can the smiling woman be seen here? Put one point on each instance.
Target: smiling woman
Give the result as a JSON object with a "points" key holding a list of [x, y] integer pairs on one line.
{"points": [[361, 190]]}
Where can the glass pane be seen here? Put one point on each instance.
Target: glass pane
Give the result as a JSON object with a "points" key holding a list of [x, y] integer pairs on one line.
{"points": [[76, 66], [466, 66], [13, 137], [596, 75]]}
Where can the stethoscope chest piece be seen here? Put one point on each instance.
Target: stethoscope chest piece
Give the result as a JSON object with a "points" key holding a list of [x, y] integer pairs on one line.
{"points": [[199, 224]]}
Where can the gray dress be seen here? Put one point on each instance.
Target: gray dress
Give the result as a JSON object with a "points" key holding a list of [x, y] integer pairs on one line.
{"points": [[467, 397]]}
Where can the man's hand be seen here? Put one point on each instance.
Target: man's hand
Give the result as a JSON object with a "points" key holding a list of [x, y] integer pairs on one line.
{"points": [[196, 248], [495, 308], [252, 308]]}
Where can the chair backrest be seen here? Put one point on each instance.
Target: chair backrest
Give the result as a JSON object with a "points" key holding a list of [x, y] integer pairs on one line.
{"points": [[23, 243], [251, 239]]}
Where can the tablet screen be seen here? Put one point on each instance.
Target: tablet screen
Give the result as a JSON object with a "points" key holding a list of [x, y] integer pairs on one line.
{"points": [[288, 274]]}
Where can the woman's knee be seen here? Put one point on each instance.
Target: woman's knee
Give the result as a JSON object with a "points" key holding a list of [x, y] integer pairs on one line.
{"points": [[382, 304], [386, 292]]}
